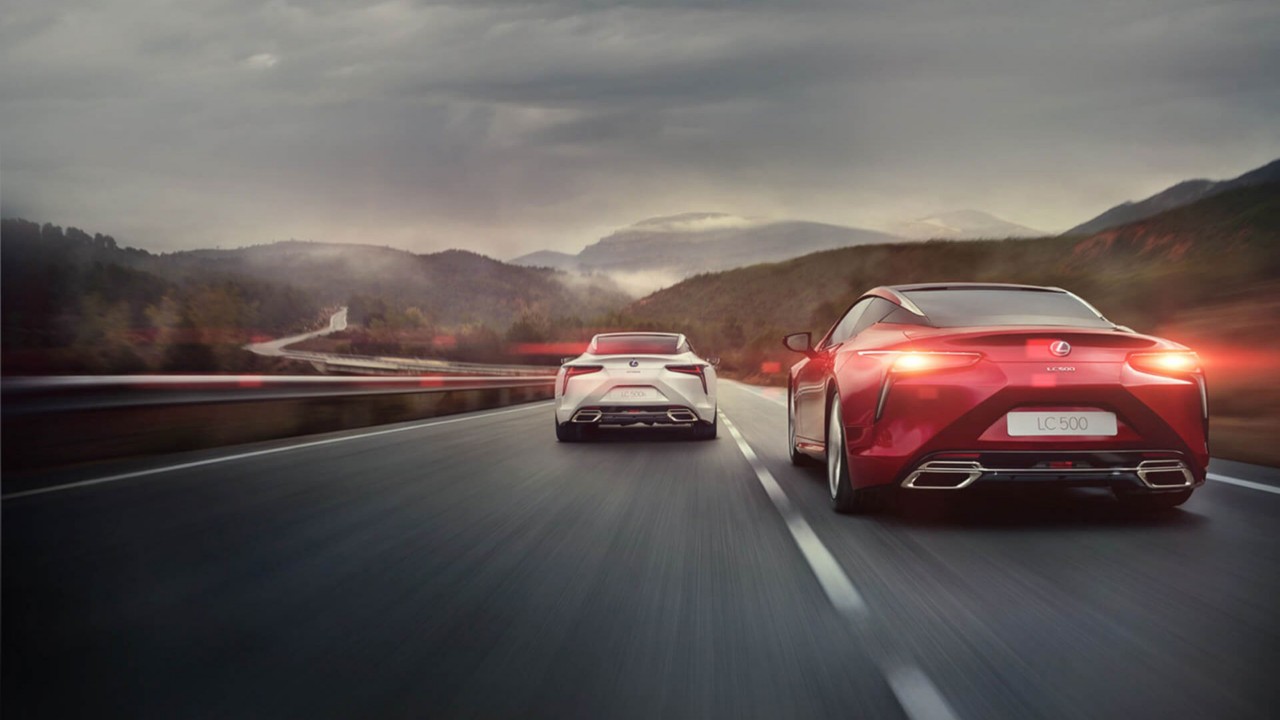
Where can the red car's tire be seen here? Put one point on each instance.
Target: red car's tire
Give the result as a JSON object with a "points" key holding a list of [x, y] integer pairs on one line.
{"points": [[845, 498]]}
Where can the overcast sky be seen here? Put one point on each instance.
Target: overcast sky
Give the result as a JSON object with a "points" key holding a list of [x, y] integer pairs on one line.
{"points": [[505, 127]]}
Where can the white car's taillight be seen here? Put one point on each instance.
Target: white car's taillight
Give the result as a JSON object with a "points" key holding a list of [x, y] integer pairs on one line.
{"points": [[575, 370], [698, 370]]}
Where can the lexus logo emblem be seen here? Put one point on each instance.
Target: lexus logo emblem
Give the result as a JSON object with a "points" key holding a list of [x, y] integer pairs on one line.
{"points": [[1060, 348], [636, 363]]}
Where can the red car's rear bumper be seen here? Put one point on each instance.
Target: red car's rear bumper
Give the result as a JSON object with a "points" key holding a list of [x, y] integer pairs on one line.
{"points": [[960, 417]]}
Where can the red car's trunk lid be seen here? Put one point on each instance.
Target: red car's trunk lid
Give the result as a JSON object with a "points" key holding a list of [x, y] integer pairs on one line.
{"points": [[1034, 344]]}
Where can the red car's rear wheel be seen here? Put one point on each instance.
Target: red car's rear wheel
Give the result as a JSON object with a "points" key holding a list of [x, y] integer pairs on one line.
{"points": [[844, 497]]}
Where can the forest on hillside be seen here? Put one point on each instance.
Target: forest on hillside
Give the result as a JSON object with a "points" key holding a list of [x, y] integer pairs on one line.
{"points": [[75, 303], [79, 303]]}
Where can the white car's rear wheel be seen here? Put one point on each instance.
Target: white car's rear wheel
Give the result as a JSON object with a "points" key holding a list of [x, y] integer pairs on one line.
{"points": [[574, 432], [705, 431], [566, 432]]}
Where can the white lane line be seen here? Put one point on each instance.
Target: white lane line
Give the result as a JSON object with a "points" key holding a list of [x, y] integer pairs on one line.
{"points": [[840, 590], [779, 398], [1243, 483], [259, 453], [917, 694]]}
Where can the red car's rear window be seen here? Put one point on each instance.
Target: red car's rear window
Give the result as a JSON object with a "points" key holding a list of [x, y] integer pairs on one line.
{"points": [[962, 307]]}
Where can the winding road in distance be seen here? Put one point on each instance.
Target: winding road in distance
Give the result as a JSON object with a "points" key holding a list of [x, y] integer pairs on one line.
{"points": [[471, 566], [276, 348]]}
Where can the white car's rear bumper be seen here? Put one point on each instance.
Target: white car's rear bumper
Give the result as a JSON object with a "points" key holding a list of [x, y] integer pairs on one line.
{"points": [[667, 398]]}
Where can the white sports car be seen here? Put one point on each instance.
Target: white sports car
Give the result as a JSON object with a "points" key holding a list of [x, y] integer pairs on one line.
{"points": [[635, 378]]}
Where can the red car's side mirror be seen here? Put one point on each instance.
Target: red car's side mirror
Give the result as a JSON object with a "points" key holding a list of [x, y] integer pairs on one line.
{"points": [[799, 342]]}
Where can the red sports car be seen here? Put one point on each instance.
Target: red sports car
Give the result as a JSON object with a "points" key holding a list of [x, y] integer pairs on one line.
{"points": [[946, 387]]}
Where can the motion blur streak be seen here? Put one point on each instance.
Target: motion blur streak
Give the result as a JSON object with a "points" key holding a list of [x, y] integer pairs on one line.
{"points": [[482, 569], [258, 453]]}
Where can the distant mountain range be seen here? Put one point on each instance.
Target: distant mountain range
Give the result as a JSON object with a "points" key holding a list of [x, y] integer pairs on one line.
{"points": [[1184, 193], [963, 225], [1144, 274], [664, 250], [69, 290], [548, 259], [661, 251]]}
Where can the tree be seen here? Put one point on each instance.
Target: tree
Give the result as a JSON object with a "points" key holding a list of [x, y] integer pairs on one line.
{"points": [[529, 327]]}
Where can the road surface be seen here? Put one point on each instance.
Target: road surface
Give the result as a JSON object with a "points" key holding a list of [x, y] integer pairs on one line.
{"points": [[473, 567]]}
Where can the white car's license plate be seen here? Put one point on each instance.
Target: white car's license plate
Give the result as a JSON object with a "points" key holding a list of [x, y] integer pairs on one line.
{"points": [[634, 393], [1061, 422]]}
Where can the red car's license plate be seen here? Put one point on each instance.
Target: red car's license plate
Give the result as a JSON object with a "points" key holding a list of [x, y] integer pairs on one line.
{"points": [[1060, 422]]}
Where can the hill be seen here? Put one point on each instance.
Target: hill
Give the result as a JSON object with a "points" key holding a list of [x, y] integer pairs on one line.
{"points": [[1184, 193], [72, 302], [454, 287], [547, 258]]}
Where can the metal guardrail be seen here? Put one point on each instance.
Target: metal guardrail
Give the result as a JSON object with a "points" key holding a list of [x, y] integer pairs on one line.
{"points": [[53, 421], [369, 363], [89, 392]]}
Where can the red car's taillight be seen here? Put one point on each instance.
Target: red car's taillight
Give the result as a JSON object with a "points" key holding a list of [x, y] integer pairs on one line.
{"points": [[1177, 364], [915, 362], [691, 370], [1174, 363], [574, 370]]}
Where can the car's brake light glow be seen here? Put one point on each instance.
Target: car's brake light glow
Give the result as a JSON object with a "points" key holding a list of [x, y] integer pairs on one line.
{"points": [[913, 362], [1174, 363], [691, 370], [573, 370]]}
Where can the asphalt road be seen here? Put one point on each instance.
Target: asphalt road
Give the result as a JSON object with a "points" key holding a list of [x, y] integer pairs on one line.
{"points": [[473, 567]]}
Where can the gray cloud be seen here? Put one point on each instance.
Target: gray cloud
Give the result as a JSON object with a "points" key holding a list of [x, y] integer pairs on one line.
{"points": [[508, 126]]}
